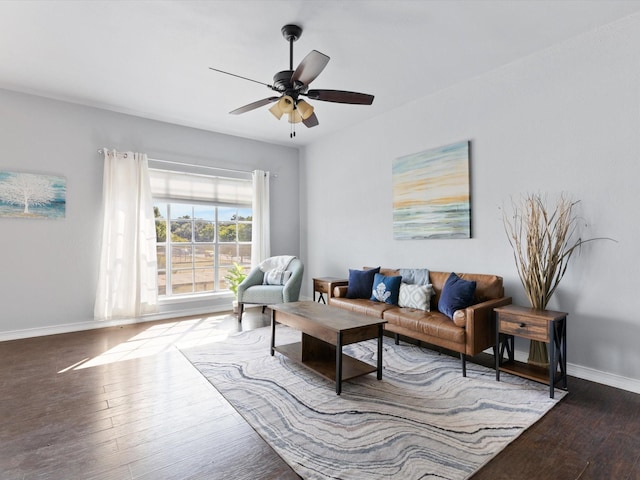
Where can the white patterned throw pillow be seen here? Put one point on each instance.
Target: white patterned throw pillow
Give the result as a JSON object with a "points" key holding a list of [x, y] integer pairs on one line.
{"points": [[276, 277], [415, 296]]}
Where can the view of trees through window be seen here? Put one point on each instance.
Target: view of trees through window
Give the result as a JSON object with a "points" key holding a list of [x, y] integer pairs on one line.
{"points": [[203, 243]]}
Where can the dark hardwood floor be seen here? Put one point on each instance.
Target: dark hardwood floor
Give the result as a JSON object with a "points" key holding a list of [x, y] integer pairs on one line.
{"points": [[122, 403], [592, 434]]}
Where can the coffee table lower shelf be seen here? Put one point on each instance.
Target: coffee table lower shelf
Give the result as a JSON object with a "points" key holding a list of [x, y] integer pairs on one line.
{"points": [[326, 367]]}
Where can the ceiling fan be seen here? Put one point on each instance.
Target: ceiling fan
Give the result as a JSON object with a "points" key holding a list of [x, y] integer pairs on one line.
{"points": [[292, 84]]}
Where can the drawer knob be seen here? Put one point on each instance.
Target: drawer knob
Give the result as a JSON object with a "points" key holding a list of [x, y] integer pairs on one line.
{"points": [[522, 325]]}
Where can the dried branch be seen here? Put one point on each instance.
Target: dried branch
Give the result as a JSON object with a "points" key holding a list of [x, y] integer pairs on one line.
{"points": [[543, 241]]}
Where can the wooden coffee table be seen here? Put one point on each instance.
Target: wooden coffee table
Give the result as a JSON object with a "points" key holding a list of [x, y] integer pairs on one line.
{"points": [[325, 330]]}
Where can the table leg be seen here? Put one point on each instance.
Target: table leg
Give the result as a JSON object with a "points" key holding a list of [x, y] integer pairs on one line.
{"points": [[339, 364], [380, 329], [273, 332], [498, 351], [552, 358], [564, 353]]}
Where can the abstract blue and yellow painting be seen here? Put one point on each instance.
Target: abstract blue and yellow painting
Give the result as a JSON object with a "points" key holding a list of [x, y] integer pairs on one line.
{"points": [[30, 195], [431, 194]]}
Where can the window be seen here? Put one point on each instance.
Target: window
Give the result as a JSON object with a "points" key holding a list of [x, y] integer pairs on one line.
{"points": [[203, 243], [203, 227]]}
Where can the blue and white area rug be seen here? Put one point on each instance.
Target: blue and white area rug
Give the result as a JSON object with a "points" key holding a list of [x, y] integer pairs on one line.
{"points": [[422, 420]]}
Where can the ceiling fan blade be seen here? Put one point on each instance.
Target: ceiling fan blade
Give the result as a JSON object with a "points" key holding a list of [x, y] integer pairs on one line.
{"points": [[340, 96], [312, 121], [310, 67], [240, 76], [254, 105]]}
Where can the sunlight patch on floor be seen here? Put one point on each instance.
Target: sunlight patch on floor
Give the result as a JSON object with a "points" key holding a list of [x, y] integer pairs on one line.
{"points": [[160, 338]]}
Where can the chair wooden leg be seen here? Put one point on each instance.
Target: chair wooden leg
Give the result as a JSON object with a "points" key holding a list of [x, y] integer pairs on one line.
{"points": [[463, 357], [396, 337], [263, 308], [240, 310]]}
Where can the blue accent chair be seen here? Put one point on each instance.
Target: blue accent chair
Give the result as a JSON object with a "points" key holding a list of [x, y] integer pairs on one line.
{"points": [[252, 290]]}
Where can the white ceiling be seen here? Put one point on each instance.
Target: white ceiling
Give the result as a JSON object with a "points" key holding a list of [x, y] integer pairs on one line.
{"points": [[151, 58]]}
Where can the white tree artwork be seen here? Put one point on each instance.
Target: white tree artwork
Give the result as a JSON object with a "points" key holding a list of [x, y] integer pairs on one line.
{"points": [[28, 190]]}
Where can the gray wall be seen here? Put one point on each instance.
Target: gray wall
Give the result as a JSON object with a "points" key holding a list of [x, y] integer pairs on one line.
{"points": [[564, 120], [49, 268]]}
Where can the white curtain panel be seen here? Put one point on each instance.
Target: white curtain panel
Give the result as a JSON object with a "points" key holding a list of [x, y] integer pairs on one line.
{"points": [[260, 232], [128, 280]]}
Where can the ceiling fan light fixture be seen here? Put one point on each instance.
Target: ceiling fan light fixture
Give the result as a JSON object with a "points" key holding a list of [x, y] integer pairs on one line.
{"points": [[286, 104], [304, 109], [276, 111], [295, 117]]}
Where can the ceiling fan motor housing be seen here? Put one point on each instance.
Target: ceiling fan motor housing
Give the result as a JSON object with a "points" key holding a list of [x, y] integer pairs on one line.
{"points": [[282, 83]]}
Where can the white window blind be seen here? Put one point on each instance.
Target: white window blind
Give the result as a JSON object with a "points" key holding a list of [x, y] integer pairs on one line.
{"points": [[197, 188]]}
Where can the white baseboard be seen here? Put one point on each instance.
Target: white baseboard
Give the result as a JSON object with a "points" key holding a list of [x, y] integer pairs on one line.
{"points": [[610, 379], [93, 324], [63, 328], [597, 376]]}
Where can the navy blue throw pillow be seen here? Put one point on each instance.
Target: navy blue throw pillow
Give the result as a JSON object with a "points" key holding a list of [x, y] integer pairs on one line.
{"points": [[361, 282], [456, 295], [386, 289]]}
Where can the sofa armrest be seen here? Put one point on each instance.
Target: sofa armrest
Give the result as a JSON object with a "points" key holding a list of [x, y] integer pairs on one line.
{"points": [[480, 324], [339, 291]]}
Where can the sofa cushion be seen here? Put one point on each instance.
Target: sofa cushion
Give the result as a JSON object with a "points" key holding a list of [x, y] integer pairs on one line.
{"points": [[263, 294], [434, 324], [385, 289], [361, 282], [456, 294], [363, 306], [415, 296]]}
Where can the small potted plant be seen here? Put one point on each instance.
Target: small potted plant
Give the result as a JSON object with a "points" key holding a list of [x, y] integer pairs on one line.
{"points": [[234, 277]]}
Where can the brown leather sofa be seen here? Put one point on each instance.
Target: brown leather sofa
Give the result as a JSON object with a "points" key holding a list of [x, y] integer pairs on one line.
{"points": [[470, 332]]}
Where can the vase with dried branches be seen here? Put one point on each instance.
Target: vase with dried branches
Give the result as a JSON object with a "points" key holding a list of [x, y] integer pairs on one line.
{"points": [[543, 239]]}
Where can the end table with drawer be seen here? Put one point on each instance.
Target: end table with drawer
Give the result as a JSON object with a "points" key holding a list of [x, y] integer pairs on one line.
{"points": [[542, 325], [326, 285]]}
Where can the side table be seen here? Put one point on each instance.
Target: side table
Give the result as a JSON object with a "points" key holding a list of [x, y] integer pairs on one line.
{"points": [[542, 325], [325, 285]]}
